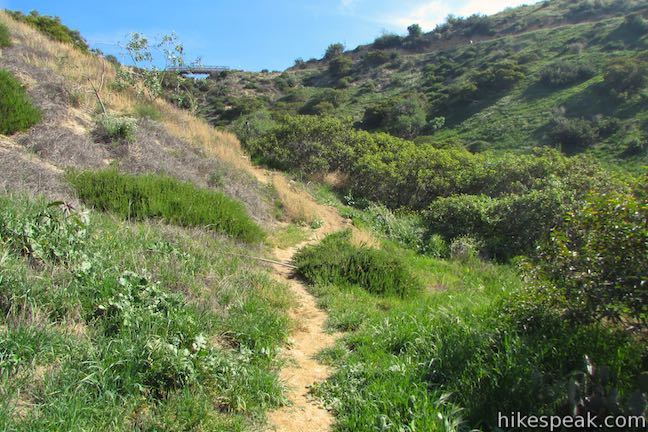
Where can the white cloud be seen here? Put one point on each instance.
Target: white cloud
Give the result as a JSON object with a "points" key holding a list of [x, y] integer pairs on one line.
{"points": [[426, 13], [489, 7]]}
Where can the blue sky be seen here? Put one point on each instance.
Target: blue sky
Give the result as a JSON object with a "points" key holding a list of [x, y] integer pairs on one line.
{"points": [[252, 34]]}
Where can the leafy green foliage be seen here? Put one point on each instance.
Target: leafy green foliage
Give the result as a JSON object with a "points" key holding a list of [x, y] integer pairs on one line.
{"points": [[336, 260], [565, 73], [5, 36], [52, 27], [175, 202], [598, 258], [625, 77], [340, 66], [16, 110], [573, 135]]}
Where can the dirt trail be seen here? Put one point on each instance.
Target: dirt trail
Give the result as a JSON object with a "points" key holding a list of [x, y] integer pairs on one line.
{"points": [[307, 340]]}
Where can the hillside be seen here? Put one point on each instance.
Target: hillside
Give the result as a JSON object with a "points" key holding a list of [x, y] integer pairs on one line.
{"points": [[537, 75], [156, 274]]}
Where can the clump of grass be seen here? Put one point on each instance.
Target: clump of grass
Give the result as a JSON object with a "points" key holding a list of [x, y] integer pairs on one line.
{"points": [[16, 110], [5, 36], [112, 128], [287, 236], [175, 202], [149, 111], [335, 260]]}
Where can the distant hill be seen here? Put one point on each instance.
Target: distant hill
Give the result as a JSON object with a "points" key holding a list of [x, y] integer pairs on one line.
{"points": [[559, 73]]}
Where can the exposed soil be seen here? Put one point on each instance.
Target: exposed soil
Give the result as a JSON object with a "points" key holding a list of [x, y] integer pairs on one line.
{"points": [[307, 340]]}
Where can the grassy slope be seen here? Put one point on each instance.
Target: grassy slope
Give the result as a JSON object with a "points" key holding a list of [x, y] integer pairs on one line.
{"points": [[62, 367]]}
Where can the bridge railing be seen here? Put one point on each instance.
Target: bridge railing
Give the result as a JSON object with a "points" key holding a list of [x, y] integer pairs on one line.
{"points": [[197, 69]]}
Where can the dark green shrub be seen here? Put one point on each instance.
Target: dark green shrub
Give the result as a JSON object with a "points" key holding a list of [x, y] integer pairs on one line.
{"points": [[175, 202], [5, 36], [636, 23], [388, 40], [53, 28], [16, 110], [573, 135], [335, 260], [333, 51], [376, 58], [414, 31], [340, 66], [565, 73], [625, 77]]}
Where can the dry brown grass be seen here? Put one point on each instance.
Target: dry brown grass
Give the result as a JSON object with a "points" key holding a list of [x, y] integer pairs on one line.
{"points": [[85, 70], [299, 207]]}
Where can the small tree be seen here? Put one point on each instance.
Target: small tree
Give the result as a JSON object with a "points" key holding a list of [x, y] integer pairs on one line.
{"points": [[333, 51], [414, 31], [145, 76]]}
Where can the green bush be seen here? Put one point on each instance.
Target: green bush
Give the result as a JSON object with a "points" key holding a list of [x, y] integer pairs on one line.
{"points": [[52, 28], [16, 110], [573, 135], [333, 51], [112, 128], [598, 259], [148, 111], [625, 77], [5, 36], [340, 66], [175, 202], [335, 260], [565, 73]]}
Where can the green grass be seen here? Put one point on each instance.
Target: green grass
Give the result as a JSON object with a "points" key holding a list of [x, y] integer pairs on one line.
{"points": [[453, 355], [112, 325], [5, 36], [335, 260], [288, 236], [175, 202], [16, 110], [147, 110]]}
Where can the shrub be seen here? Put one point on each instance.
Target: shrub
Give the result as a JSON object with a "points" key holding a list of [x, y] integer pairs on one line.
{"points": [[16, 110], [376, 58], [414, 31], [52, 28], [565, 73], [333, 51], [573, 134], [335, 260], [340, 66], [388, 40], [175, 202], [625, 77], [636, 23], [112, 128], [149, 111], [598, 258], [5, 36]]}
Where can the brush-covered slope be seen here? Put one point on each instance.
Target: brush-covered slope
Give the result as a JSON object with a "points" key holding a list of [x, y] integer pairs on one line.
{"points": [[137, 135], [560, 73]]}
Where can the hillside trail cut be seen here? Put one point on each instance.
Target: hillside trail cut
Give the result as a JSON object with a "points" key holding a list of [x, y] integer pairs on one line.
{"points": [[302, 370]]}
